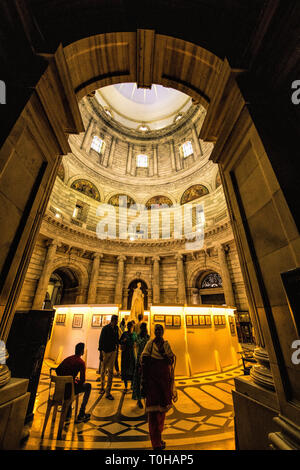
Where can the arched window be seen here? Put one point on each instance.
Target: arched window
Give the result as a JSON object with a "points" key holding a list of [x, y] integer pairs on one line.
{"points": [[97, 144], [142, 161], [212, 280], [186, 149]]}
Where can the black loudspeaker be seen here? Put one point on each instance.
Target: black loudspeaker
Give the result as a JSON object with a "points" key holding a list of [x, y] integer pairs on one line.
{"points": [[26, 346]]}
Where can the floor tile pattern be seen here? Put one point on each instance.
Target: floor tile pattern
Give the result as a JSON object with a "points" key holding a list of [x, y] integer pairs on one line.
{"points": [[203, 415]]}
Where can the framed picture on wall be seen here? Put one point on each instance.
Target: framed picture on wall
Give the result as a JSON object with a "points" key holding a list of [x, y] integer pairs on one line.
{"points": [[106, 319], [223, 320], [169, 320], [216, 319], [96, 321], [232, 328], [195, 320], [176, 320], [77, 320], [159, 318], [219, 319], [230, 319], [189, 320], [60, 319], [201, 320], [207, 320]]}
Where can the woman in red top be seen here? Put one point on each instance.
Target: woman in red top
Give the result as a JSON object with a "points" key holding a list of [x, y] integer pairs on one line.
{"points": [[158, 384]]}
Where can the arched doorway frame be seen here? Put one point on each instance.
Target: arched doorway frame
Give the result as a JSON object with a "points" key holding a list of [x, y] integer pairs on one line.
{"points": [[81, 273], [59, 124]]}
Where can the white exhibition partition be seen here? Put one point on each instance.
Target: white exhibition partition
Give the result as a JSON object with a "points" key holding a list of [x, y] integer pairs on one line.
{"points": [[175, 335], [203, 338], [210, 346], [79, 323]]}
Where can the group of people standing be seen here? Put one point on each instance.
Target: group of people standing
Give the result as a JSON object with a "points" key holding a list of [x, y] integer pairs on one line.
{"points": [[131, 339], [147, 365]]}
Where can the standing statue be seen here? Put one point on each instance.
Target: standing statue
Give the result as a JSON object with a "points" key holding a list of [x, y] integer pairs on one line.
{"points": [[137, 304]]}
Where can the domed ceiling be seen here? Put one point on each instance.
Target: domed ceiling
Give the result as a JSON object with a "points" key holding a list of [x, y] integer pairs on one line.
{"points": [[141, 108]]}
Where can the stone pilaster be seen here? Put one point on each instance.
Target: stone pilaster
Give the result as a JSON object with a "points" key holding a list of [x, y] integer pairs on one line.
{"points": [[87, 139], [172, 155], [198, 151], [108, 157], [120, 280], [181, 291], [129, 159], [156, 280], [45, 276], [92, 292], [155, 161], [227, 285]]}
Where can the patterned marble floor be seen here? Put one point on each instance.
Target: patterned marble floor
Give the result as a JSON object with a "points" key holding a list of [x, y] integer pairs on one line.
{"points": [[201, 418]]}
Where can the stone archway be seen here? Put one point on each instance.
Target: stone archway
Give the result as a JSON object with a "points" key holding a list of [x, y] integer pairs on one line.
{"points": [[81, 274]]}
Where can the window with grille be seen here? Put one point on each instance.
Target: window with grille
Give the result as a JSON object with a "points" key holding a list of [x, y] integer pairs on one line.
{"points": [[142, 161], [97, 144], [186, 149]]}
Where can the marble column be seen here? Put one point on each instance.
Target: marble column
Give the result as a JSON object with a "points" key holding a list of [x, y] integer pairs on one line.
{"points": [[226, 281], [120, 280], [156, 282], [87, 139], [45, 276], [92, 292], [181, 292]]}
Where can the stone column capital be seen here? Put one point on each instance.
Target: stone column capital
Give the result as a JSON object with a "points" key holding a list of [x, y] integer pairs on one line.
{"points": [[121, 258], [97, 255], [179, 256], [156, 258]]}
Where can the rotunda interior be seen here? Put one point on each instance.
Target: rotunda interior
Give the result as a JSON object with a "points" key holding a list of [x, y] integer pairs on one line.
{"points": [[138, 201]]}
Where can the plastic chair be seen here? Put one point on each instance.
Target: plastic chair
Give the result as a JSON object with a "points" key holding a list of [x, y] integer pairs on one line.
{"points": [[58, 399]]}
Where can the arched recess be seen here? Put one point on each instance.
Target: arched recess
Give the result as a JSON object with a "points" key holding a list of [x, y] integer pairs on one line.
{"points": [[80, 272], [63, 287], [193, 275], [158, 201], [144, 287], [113, 199], [202, 295], [87, 188]]}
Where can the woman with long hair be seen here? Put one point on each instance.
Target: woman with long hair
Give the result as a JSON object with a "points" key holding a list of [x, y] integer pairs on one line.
{"points": [[158, 363], [141, 341], [128, 360]]}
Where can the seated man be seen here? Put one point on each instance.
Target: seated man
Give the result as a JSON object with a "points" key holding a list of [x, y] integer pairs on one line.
{"points": [[73, 365]]}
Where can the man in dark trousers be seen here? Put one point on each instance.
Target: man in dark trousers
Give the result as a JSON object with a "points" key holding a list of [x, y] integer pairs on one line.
{"points": [[74, 365], [108, 343]]}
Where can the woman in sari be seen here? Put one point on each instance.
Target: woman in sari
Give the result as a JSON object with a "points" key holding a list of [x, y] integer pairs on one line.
{"points": [[157, 382], [141, 341], [128, 360]]}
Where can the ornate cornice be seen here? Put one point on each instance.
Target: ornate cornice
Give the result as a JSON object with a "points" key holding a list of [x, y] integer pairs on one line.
{"points": [[87, 241]]}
